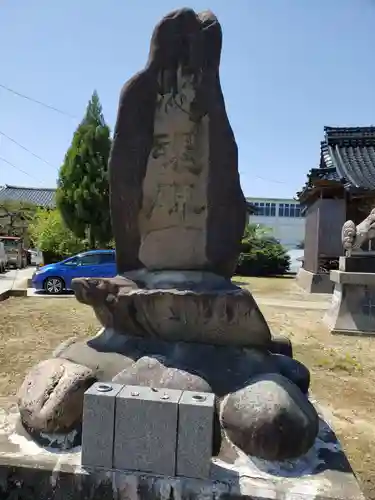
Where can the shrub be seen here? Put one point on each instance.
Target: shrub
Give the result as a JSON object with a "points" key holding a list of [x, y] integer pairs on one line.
{"points": [[261, 254], [52, 237]]}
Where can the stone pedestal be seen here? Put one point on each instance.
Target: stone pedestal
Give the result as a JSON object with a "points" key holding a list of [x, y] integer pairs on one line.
{"points": [[28, 471], [352, 311], [359, 263], [314, 282]]}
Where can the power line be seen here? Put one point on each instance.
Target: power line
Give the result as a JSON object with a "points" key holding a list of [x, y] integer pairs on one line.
{"points": [[19, 169], [28, 150], [48, 106], [269, 180]]}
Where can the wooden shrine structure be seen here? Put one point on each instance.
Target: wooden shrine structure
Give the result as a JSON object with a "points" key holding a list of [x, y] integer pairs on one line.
{"points": [[341, 188]]}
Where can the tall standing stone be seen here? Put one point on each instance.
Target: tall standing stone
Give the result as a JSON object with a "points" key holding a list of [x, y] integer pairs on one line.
{"points": [[176, 199]]}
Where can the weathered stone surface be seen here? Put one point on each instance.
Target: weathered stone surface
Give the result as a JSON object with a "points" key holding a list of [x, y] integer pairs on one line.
{"points": [[270, 419], [226, 369], [293, 370], [51, 396], [153, 372], [29, 472], [176, 200], [220, 317], [281, 345]]}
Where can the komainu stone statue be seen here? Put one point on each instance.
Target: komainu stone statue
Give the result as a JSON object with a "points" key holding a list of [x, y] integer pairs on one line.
{"points": [[353, 237], [172, 317]]}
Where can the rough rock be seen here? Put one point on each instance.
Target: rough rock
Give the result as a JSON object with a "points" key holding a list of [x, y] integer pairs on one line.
{"points": [[281, 345], [51, 397], [270, 419], [175, 195], [154, 372], [226, 369], [293, 370], [219, 317]]}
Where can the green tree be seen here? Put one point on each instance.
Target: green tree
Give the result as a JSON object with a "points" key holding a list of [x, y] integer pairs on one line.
{"points": [[261, 254], [83, 190], [15, 217], [51, 235]]}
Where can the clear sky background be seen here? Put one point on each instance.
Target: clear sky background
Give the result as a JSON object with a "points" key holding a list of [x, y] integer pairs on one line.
{"points": [[289, 67]]}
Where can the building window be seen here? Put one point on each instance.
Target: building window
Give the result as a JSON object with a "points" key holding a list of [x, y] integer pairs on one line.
{"points": [[290, 210], [265, 209], [268, 209]]}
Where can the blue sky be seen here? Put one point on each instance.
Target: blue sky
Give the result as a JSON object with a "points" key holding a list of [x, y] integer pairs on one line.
{"points": [[289, 67]]}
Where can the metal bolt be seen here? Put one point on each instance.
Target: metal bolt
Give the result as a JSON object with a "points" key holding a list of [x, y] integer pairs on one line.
{"points": [[134, 393], [165, 396], [104, 388]]}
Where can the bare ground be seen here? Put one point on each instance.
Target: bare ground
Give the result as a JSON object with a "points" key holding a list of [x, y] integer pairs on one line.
{"points": [[342, 368]]}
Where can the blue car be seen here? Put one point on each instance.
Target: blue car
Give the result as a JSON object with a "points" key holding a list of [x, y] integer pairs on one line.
{"points": [[54, 278]]}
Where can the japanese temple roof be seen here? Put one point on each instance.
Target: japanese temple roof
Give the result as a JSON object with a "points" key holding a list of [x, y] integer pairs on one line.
{"points": [[347, 159], [42, 197]]}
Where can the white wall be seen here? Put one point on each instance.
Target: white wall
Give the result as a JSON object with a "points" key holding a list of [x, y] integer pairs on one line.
{"points": [[290, 231]]}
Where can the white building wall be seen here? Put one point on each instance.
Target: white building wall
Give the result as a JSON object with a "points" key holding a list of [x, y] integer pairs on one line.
{"points": [[289, 230]]}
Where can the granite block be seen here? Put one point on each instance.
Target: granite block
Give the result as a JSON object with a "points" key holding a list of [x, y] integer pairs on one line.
{"points": [[98, 424], [146, 430], [358, 263], [195, 434]]}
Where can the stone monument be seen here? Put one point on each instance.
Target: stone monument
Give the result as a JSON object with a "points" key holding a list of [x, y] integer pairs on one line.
{"points": [[172, 319], [352, 309]]}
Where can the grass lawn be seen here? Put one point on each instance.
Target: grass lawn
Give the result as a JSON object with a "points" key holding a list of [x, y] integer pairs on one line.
{"points": [[342, 368]]}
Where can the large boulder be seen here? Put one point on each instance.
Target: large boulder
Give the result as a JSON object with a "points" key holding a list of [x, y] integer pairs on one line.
{"points": [[176, 200], [50, 399], [154, 372], [270, 419]]}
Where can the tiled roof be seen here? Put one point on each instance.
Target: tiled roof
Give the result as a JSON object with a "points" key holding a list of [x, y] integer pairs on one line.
{"points": [[347, 157], [42, 197]]}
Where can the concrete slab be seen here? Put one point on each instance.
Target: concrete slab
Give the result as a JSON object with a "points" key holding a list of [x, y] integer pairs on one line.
{"points": [[314, 282], [293, 304], [15, 277], [28, 471]]}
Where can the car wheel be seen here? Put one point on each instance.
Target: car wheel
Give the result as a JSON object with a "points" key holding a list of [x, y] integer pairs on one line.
{"points": [[53, 285]]}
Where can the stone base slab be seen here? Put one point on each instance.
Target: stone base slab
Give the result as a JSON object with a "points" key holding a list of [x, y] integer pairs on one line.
{"points": [[352, 310], [314, 282], [29, 471], [201, 310], [350, 278]]}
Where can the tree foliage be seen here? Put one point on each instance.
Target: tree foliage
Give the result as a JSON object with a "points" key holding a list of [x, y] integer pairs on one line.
{"points": [[15, 217], [83, 190], [261, 254], [51, 235]]}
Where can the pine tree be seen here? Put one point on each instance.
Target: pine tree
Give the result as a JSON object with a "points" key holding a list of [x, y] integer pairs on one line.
{"points": [[83, 190]]}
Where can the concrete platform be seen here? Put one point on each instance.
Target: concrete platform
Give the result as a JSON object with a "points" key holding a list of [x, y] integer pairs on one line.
{"points": [[15, 282], [352, 310], [28, 471], [314, 282]]}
